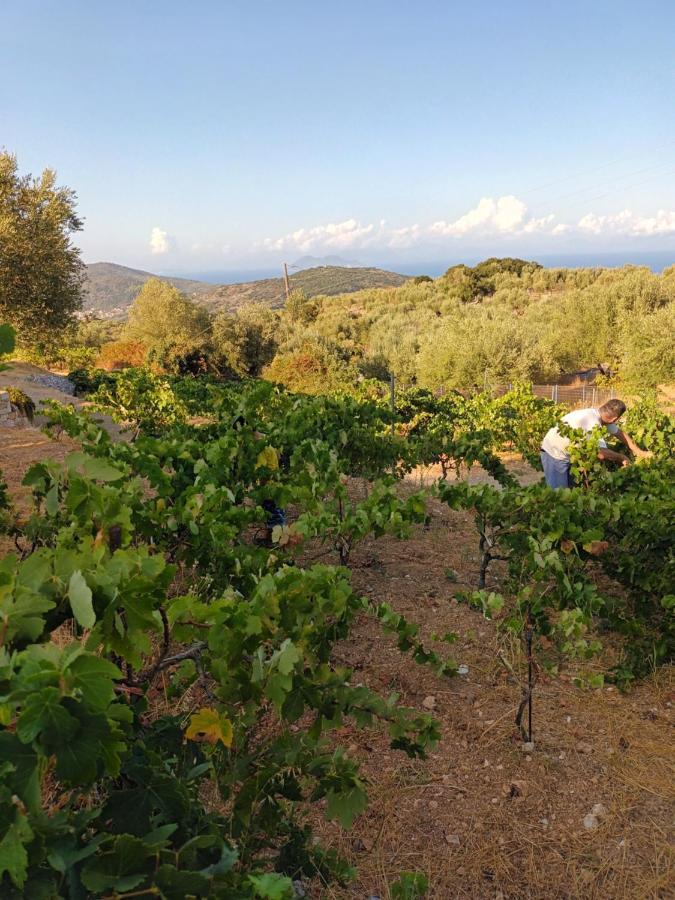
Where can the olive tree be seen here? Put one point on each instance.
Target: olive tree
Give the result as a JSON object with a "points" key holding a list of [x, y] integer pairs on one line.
{"points": [[41, 273]]}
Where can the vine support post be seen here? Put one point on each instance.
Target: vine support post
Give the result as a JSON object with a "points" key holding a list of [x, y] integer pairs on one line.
{"points": [[528, 645], [526, 701]]}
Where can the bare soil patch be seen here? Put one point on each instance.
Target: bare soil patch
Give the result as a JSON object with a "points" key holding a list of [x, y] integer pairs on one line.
{"points": [[480, 817]]}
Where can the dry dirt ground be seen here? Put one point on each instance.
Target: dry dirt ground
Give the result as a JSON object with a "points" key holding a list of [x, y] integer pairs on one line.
{"points": [[480, 817]]}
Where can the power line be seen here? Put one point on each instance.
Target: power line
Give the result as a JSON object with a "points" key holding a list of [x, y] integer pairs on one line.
{"points": [[605, 165], [580, 191]]}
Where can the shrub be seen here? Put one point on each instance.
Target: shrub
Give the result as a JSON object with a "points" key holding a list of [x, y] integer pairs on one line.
{"points": [[86, 381], [121, 355], [21, 402], [141, 399], [313, 367]]}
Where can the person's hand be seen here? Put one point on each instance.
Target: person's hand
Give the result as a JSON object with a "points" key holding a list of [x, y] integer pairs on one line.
{"points": [[644, 454]]}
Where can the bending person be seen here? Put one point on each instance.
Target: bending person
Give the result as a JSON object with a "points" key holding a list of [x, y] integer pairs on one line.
{"points": [[555, 457]]}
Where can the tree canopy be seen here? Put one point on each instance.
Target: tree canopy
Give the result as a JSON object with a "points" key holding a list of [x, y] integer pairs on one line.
{"points": [[41, 272], [168, 323]]}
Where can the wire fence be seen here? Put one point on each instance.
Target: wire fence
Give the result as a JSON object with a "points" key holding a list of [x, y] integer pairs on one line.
{"points": [[565, 394]]}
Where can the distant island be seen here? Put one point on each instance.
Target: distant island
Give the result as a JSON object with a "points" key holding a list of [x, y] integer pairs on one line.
{"points": [[312, 262]]}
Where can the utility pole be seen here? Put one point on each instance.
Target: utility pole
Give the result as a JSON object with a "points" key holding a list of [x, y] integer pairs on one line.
{"points": [[287, 284]]}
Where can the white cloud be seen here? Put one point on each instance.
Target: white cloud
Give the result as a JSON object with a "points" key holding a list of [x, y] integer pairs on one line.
{"points": [[502, 215], [334, 235], [405, 237], [491, 218], [630, 224], [662, 223], [542, 224], [159, 241]]}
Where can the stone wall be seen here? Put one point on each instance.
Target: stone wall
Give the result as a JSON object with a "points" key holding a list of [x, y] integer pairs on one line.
{"points": [[8, 416]]}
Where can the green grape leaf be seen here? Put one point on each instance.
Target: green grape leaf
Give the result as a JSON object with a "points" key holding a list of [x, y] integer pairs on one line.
{"points": [[122, 867], [43, 712], [13, 854], [345, 806], [79, 594], [272, 887], [289, 655], [92, 678], [225, 864], [24, 778], [176, 885]]}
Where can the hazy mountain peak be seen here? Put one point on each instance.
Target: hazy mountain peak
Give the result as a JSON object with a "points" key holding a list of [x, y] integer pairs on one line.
{"points": [[312, 262]]}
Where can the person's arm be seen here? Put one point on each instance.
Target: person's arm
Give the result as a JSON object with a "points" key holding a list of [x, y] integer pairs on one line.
{"points": [[632, 446], [605, 453]]}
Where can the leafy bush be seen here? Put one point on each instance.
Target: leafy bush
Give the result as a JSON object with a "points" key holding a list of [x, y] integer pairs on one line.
{"points": [[88, 380], [21, 402], [142, 400], [121, 355]]}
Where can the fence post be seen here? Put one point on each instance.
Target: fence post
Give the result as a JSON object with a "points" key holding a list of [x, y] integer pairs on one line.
{"points": [[583, 392], [594, 394]]}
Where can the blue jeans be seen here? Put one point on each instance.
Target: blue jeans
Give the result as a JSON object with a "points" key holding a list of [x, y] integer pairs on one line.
{"points": [[277, 516], [556, 471]]}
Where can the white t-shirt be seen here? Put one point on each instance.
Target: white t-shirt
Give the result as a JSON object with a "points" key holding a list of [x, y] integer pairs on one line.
{"points": [[587, 419]]}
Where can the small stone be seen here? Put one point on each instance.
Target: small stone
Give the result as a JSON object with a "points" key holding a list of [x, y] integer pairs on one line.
{"points": [[452, 839], [527, 747], [359, 845], [429, 702], [544, 822], [515, 788], [599, 811], [461, 870], [299, 891], [494, 800], [583, 747], [486, 763], [590, 822], [463, 669]]}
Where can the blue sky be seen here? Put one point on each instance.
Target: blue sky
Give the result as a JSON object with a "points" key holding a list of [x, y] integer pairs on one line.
{"points": [[223, 135]]}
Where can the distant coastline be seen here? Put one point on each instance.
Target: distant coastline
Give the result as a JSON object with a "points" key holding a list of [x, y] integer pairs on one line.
{"points": [[657, 261]]}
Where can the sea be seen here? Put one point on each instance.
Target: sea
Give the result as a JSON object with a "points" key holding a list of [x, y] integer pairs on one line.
{"points": [[657, 261]]}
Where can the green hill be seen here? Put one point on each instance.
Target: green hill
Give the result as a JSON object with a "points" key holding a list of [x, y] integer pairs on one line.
{"points": [[111, 289], [326, 280]]}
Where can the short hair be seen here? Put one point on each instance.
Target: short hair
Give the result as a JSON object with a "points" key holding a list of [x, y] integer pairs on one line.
{"points": [[613, 408]]}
